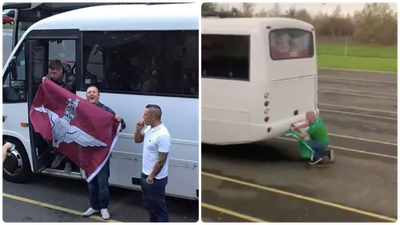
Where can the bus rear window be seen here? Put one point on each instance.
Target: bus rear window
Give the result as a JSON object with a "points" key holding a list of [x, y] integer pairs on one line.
{"points": [[225, 56], [291, 44]]}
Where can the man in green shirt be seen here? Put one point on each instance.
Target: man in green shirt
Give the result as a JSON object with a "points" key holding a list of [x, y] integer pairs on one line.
{"points": [[318, 137]]}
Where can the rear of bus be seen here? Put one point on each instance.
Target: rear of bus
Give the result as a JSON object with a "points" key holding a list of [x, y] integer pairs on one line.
{"points": [[290, 89], [258, 77]]}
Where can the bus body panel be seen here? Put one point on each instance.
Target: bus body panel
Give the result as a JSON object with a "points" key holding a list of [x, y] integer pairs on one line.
{"points": [[286, 98], [224, 115]]}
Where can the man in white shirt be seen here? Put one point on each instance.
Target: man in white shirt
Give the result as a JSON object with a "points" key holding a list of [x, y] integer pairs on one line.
{"points": [[156, 146]]}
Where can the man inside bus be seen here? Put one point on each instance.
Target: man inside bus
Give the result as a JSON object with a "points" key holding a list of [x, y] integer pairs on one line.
{"points": [[154, 178], [99, 187], [59, 72], [318, 137]]}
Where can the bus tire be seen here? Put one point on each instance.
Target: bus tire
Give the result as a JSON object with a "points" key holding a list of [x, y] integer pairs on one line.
{"points": [[16, 167]]}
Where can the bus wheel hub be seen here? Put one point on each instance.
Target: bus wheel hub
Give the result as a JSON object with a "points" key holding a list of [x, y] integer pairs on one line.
{"points": [[13, 163]]}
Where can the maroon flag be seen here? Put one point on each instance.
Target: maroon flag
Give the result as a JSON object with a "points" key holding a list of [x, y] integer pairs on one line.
{"points": [[81, 131]]}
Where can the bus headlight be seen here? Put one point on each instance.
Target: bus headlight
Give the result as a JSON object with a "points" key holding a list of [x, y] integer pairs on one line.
{"points": [[266, 111], [266, 95]]}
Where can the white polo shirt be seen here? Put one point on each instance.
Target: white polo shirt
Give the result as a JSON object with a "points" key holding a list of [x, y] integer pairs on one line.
{"points": [[156, 139]]}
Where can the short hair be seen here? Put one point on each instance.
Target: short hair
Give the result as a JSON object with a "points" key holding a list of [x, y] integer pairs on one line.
{"points": [[92, 85], [55, 64], [157, 112]]}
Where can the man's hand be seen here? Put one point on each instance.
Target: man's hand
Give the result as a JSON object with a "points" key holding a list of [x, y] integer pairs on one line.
{"points": [[139, 135], [139, 125], [117, 118], [44, 78], [149, 180], [7, 146], [303, 135]]}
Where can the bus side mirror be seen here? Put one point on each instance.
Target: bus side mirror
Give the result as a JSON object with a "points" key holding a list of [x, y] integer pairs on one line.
{"points": [[13, 68]]}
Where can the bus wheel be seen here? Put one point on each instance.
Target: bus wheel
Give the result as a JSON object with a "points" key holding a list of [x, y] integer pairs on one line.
{"points": [[16, 167]]}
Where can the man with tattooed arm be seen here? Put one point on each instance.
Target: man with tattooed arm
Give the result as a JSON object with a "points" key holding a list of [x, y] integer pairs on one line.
{"points": [[156, 146]]}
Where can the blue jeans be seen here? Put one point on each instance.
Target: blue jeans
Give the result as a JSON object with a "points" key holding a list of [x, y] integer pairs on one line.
{"points": [[154, 199], [99, 188], [320, 150]]}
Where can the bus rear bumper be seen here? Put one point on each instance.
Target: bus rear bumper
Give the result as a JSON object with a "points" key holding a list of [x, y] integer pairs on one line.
{"points": [[262, 132]]}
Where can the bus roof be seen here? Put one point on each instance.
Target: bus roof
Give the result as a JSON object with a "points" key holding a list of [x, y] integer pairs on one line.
{"points": [[214, 24], [124, 17], [66, 6]]}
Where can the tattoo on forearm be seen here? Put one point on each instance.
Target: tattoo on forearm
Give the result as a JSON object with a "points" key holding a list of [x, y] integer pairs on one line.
{"points": [[162, 158]]}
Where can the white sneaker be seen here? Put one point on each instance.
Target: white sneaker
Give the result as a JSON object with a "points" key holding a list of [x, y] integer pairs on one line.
{"points": [[331, 155], [104, 214], [316, 161], [90, 212]]}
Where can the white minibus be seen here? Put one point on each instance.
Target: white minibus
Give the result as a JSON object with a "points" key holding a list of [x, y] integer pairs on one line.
{"points": [[259, 75], [136, 55]]}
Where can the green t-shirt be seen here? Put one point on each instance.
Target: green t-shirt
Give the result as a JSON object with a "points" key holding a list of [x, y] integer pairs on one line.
{"points": [[317, 131]]}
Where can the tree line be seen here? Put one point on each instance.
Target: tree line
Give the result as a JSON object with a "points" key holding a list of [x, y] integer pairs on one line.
{"points": [[376, 23]]}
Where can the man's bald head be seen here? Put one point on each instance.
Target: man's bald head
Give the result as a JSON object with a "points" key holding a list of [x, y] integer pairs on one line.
{"points": [[311, 115]]}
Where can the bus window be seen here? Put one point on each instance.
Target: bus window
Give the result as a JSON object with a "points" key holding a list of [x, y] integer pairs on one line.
{"points": [[63, 50], [291, 44], [39, 64], [22, 26], [152, 63], [15, 85], [94, 70], [225, 56]]}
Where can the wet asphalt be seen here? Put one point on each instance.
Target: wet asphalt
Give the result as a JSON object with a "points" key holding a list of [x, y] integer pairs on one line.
{"points": [[125, 205]]}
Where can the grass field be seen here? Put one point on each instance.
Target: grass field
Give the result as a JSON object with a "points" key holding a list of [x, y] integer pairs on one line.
{"points": [[7, 26], [363, 57], [361, 63]]}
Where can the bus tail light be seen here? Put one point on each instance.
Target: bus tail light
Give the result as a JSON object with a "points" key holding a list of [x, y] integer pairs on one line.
{"points": [[266, 104]]}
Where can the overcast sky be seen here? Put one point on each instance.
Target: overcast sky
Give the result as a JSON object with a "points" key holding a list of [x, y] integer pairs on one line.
{"points": [[312, 8]]}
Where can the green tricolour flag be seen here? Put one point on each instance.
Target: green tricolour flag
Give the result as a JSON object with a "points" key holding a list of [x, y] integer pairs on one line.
{"points": [[304, 149]]}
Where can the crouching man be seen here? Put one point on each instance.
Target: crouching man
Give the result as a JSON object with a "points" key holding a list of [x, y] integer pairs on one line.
{"points": [[318, 137]]}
